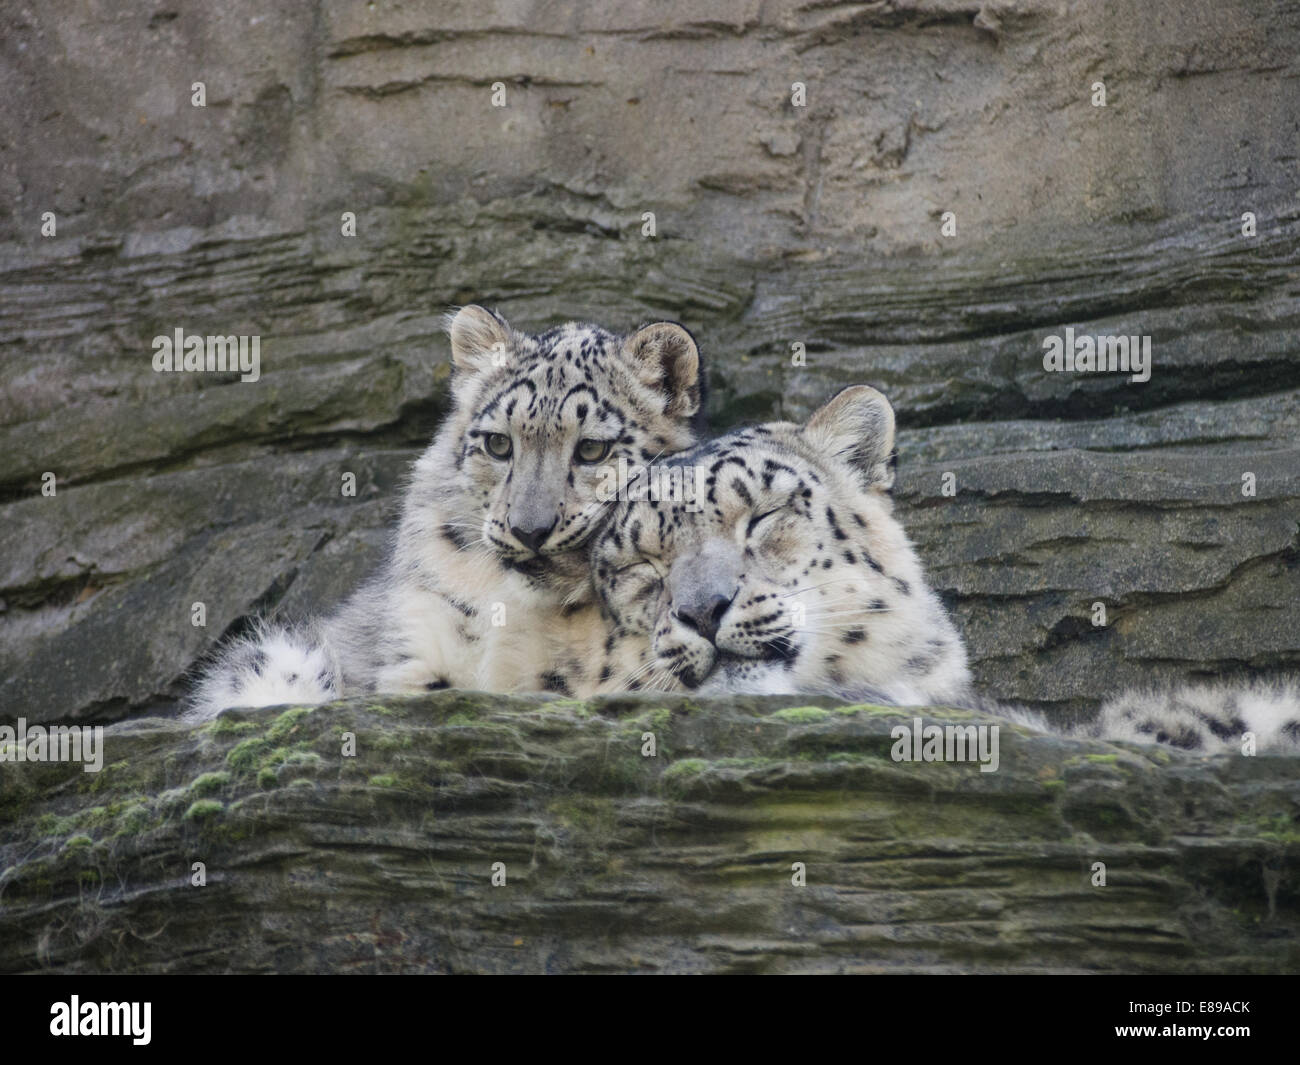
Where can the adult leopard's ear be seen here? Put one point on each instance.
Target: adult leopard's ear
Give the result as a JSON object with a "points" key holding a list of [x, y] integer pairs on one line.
{"points": [[480, 339], [666, 357], [857, 424]]}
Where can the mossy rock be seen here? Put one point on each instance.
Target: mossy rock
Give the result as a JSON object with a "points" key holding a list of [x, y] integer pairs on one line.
{"points": [[616, 861]]}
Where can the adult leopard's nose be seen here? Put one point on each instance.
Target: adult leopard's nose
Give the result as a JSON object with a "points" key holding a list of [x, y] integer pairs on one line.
{"points": [[704, 613]]}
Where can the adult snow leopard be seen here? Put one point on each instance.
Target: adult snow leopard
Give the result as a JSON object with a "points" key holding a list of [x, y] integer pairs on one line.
{"points": [[792, 576], [795, 577], [489, 555]]}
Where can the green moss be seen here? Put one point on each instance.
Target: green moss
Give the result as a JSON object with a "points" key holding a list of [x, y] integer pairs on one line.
{"points": [[88, 877], [461, 718], [247, 755], [267, 778], [134, 819], [384, 780], [575, 706], [110, 775], [381, 710], [253, 755], [50, 824], [1103, 759], [1279, 828], [224, 726], [683, 772], [203, 808], [54, 825], [79, 841], [207, 783], [286, 724], [288, 758], [802, 714], [658, 721]]}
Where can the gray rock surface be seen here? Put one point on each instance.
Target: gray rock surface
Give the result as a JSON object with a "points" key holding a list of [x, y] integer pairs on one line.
{"points": [[383, 861], [776, 225]]}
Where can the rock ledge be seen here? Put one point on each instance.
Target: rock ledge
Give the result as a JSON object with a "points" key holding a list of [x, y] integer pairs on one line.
{"points": [[617, 862]]}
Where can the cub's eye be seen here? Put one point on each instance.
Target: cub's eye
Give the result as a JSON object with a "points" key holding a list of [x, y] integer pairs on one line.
{"points": [[498, 445], [590, 451]]}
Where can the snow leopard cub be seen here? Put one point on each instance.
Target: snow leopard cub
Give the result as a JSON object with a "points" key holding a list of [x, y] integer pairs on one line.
{"points": [[490, 552]]}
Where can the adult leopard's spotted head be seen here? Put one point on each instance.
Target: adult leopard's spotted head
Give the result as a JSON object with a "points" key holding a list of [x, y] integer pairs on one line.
{"points": [[541, 418], [792, 576]]}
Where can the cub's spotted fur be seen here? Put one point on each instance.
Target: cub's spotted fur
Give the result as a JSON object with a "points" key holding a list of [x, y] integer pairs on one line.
{"points": [[794, 576], [486, 580]]}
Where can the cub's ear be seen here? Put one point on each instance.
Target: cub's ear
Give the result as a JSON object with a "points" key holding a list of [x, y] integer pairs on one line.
{"points": [[857, 424], [665, 357], [479, 338]]}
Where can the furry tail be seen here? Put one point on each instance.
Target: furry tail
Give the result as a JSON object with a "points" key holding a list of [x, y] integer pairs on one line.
{"points": [[1210, 718], [268, 667]]}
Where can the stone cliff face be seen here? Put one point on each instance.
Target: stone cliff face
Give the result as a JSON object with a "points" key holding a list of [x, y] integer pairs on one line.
{"points": [[776, 225]]}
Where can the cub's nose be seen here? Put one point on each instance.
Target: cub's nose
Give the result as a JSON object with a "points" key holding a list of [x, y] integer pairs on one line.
{"points": [[532, 536], [704, 614]]}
